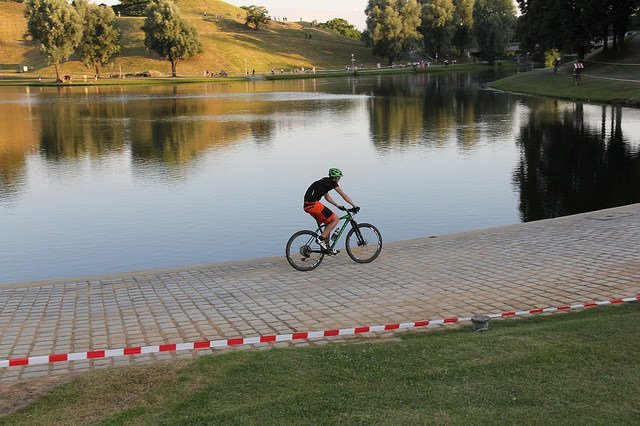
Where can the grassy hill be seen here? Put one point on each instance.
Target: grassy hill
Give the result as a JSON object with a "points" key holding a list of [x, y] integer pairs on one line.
{"points": [[227, 43]]}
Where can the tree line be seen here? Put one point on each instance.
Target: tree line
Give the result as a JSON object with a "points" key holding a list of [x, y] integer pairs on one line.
{"points": [[574, 25], [62, 29], [396, 27]]}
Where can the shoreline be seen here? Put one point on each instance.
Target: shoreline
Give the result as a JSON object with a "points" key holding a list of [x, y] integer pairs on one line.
{"points": [[538, 82], [7, 80], [605, 214], [592, 89]]}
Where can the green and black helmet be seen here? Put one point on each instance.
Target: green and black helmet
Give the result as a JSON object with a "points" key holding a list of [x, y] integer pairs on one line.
{"points": [[333, 173]]}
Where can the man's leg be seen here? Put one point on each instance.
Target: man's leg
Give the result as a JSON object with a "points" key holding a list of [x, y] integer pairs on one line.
{"points": [[330, 226], [330, 220], [325, 239]]}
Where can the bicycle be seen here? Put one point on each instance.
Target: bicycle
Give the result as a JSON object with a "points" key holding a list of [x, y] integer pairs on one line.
{"points": [[363, 243]]}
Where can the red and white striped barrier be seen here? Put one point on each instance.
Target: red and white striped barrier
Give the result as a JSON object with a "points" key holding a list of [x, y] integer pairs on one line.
{"points": [[310, 335]]}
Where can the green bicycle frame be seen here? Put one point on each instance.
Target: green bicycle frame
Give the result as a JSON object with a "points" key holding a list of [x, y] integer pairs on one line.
{"points": [[348, 218]]}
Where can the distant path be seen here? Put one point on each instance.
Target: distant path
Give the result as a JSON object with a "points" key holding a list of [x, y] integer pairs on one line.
{"points": [[575, 259], [611, 78]]}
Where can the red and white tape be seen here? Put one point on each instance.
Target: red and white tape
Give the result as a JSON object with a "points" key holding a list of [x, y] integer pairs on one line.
{"points": [[310, 335]]}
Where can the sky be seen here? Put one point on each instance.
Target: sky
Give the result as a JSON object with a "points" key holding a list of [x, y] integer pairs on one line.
{"points": [[308, 10]]}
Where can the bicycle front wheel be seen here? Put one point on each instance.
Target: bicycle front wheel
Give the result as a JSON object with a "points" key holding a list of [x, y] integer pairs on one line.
{"points": [[303, 253], [364, 243]]}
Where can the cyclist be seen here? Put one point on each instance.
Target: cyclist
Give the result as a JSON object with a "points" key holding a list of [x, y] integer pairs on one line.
{"points": [[320, 213]]}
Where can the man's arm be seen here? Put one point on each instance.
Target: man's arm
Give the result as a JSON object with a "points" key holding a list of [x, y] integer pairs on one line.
{"points": [[329, 199], [345, 197]]}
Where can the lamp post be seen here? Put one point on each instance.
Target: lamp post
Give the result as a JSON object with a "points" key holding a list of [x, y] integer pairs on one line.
{"points": [[353, 62]]}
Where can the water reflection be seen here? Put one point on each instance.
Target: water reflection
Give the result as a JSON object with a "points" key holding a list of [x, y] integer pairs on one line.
{"points": [[166, 127], [18, 137], [433, 110], [75, 127], [570, 166], [569, 163]]}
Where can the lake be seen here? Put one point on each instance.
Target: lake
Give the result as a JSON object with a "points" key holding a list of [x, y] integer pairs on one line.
{"points": [[99, 180]]}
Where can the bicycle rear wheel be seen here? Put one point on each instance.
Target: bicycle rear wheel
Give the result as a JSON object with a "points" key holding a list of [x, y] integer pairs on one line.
{"points": [[364, 243], [303, 253]]}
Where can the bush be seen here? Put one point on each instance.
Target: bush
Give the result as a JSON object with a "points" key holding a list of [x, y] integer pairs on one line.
{"points": [[550, 56]]}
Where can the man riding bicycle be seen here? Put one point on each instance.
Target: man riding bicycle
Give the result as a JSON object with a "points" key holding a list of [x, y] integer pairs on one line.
{"points": [[320, 213]]}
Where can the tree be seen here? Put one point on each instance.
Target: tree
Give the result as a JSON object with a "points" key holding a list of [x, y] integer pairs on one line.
{"points": [[257, 16], [342, 27], [463, 21], [492, 25], [437, 25], [573, 25], [168, 34], [393, 26], [620, 12], [131, 7], [100, 37], [541, 25], [56, 26]]}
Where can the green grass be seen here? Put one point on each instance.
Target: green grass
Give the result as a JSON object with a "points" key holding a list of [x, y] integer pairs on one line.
{"points": [[405, 70], [578, 368], [560, 85], [603, 82]]}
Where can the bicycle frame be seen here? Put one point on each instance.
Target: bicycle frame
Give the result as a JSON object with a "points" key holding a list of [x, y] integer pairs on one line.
{"points": [[348, 219]]}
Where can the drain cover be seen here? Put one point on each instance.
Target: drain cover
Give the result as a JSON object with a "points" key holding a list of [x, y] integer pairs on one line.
{"points": [[609, 216]]}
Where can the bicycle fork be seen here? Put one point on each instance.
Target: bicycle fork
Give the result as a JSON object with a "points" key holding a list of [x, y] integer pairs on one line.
{"points": [[361, 240]]}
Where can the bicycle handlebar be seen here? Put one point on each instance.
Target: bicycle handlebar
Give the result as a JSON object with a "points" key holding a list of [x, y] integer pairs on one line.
{"points": [[353, 210]]}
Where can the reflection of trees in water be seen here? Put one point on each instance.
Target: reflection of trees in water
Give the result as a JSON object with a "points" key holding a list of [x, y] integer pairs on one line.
{"points": [[568, 168], [395, 120], [12, 174], [434, 109], [396, 112], [72, 129], [156, 126], [178, 131], [262, 130], [172, 131], [18, 138], [167, 131]]}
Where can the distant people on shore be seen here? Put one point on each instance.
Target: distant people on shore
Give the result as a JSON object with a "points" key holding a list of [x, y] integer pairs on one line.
{"points": [[578, 67]]}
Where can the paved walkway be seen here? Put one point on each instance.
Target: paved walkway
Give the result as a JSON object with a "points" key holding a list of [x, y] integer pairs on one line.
{"points": [[575, 259]]}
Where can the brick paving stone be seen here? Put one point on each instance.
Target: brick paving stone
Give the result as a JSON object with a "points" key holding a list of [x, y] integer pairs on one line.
{"points": [[575, 259]]}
